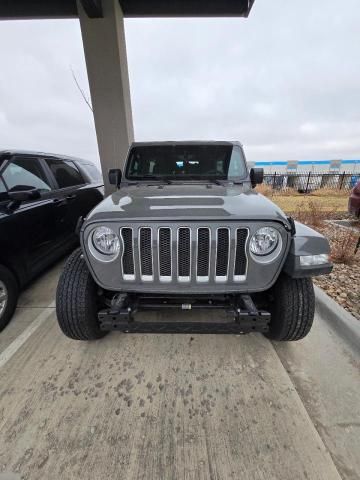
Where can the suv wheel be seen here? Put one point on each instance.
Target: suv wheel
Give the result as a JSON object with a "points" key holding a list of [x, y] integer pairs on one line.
{"points": [[8, 296], [292, 308], [77, 300]]}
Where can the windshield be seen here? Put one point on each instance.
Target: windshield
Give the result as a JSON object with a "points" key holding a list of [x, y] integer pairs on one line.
{"points": [[186, 162]]}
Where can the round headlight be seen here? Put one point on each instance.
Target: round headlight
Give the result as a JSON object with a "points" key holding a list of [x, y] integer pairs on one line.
{"points": [[264, 241], [106, 241]]}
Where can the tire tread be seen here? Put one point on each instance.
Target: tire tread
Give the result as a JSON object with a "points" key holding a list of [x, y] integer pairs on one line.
{"points": [[13, 292], [294, 308], [76, 305]]}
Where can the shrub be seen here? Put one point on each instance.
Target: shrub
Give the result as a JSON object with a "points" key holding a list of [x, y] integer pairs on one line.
{"points": [[343, 242], [265, 190], [312, 214]]}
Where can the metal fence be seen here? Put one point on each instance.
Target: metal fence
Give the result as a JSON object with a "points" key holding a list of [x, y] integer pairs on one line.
{"points": [[308, 182]]}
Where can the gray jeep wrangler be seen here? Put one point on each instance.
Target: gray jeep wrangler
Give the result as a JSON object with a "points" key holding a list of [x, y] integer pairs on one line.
{"points": [[186, 229]]}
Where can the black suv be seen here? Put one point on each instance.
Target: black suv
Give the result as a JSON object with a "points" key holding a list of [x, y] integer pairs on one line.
{"points": [[42, 197]]}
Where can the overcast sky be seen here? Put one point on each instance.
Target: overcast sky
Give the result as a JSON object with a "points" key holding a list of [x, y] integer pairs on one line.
{"points": [[285, 81]]}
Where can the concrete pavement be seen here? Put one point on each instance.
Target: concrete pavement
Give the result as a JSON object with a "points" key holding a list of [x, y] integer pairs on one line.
{"points": [[174, 406]]}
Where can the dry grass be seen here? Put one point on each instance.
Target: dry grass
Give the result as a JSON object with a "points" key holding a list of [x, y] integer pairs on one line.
{"points": [[330, 192], [270, 192], [290, 200], [313, 213], [313, 209], [265, 190], [288, 192], [291, 204], [343, 242]]}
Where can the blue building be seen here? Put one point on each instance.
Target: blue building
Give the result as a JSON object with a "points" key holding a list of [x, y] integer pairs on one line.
{"points": [[303, 166]]}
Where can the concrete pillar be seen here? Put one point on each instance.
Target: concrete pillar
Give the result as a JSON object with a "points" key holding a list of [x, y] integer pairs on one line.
{"points": [[106, 62]]}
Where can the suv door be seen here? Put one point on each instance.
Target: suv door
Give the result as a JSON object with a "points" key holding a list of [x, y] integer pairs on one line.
{"points": [[27, 232], [79, 195]]}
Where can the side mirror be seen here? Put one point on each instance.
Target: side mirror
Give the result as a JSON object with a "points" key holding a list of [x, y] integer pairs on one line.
{"points": [[23, 195], [256, 176], [115, 176], [18, 196]]}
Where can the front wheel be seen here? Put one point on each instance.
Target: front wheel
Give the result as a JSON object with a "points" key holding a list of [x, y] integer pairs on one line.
{"points": [[292, 308], [8, 296], [77, 301]]}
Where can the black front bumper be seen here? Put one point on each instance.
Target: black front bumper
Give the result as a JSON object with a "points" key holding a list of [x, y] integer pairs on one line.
{"points": [[246, 317]]}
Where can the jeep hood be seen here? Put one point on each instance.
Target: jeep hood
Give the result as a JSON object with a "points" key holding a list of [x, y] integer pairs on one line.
{"points": [[186, 202]]}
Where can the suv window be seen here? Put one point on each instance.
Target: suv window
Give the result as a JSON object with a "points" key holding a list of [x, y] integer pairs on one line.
{"points": [[93, 172], [25, 173], [65, 173], [3, 192]]}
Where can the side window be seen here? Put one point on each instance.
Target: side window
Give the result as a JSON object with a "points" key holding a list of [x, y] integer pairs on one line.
{"points": [[93, 172], [237, 165], [65, 172], [3, 192], [25, 173]]}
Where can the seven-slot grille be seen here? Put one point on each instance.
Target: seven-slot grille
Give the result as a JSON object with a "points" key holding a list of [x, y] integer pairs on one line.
{"points": [[184, 254]]}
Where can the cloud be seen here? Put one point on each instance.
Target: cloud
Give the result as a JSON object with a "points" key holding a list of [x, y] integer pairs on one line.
{"points": [[285, 81], [258, 80], [40, 106]]}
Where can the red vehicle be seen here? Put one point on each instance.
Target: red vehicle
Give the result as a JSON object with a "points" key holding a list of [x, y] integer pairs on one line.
{"points": [[354, 200]]}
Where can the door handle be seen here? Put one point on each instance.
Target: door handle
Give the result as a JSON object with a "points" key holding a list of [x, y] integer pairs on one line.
{"points": [[59, 201], [71, 197]]}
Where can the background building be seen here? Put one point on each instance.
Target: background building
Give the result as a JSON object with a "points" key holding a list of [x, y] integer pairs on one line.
{"points": [[316, 166]]}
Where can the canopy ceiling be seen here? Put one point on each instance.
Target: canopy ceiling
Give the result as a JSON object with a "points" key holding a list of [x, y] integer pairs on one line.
{"points": [[22, 9]]}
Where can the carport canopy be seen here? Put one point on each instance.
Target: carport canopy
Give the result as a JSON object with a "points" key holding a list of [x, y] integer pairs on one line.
{"points": [[16, 9], [102, 28]]}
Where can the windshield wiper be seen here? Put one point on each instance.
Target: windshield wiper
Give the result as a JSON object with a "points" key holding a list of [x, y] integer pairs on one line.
{"points": [[181, 178], [150, 176], [200, 178]]}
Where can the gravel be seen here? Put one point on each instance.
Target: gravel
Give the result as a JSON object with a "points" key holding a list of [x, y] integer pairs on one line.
{"points": [[343, 283]]}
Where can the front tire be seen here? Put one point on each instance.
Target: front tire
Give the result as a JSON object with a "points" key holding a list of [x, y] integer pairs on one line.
{"points": [[9, 293], [77, 300], [292, 308]]}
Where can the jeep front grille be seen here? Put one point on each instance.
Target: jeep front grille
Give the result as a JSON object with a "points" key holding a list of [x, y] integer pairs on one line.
{"points": [[203, 255], [146, 254], [240, 258], [184, 254], [165, 264], [128, 254], [222, 254]]}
